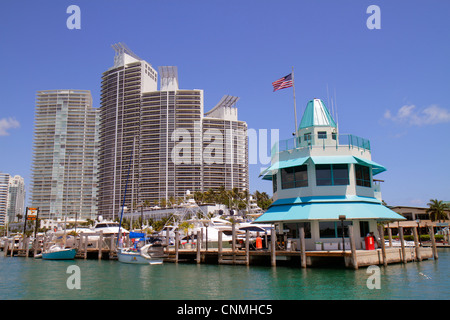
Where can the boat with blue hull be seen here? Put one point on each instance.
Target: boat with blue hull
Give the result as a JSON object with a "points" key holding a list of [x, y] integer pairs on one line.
{"points": [[59, 253]]}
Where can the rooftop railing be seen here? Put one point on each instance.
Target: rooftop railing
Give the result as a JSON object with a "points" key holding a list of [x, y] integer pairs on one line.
{"points": [[321, 141]]}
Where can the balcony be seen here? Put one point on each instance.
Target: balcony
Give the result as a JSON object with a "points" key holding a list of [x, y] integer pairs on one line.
{"points": [[310, 141]]}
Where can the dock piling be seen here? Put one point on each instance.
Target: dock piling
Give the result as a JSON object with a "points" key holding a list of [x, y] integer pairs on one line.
{"points": [[302, 247], [433, 242], [352, 247], [177, 245], [402, 243], [273, 241], [383, 245], [247, 247], [416, 244], [198, 246]]}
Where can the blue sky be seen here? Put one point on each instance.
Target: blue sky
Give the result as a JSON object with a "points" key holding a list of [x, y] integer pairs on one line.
{"points": [[391, 85]]}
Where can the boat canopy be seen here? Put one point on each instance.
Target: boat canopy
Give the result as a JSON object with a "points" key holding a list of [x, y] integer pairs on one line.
{"points": [[134, 235]]}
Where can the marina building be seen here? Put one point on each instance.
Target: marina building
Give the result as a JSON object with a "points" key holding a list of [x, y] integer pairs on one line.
{"points": [[65, 152], [160, 140], [324, 182]]}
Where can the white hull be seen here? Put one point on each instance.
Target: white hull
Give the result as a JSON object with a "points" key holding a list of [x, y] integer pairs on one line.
{"points": [[127, 255], [136, 258]]}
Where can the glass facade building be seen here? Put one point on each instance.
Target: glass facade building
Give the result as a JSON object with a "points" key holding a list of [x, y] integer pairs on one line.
{"points": [[64, 170]]}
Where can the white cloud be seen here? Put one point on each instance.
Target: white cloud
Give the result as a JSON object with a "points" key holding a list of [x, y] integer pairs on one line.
{"points": [[6, 124], [409, 114]]}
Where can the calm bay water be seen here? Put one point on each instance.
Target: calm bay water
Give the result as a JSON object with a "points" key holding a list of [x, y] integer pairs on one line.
{"points": [[22, 278]]}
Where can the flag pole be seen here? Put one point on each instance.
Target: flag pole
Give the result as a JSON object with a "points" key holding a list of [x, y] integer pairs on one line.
{"points": [[295, 106]]}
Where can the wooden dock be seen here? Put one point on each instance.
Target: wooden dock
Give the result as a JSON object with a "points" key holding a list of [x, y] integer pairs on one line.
{"points": [[98, 246]]}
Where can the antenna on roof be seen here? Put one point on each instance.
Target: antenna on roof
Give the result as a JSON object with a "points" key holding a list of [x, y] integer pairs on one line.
{"points": [[337, 117], [122, 48], [330, 105]]}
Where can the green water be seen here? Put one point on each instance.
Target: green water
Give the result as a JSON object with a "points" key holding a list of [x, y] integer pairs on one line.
{"points": [[27, 278]]}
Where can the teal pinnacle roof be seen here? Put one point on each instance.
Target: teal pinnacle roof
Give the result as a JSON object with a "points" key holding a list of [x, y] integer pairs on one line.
{"points": [[316, 114]]}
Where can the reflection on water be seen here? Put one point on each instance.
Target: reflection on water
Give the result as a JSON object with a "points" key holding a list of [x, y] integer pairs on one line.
{"points": [[22, 278]]}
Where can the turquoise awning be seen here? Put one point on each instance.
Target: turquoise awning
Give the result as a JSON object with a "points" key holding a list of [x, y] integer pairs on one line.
{"points": [[282, 164], [376, 168], [328, 211]]}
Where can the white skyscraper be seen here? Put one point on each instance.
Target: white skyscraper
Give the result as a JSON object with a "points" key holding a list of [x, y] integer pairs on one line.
{"points": [[177, 147], [16, 198], [64, 178], [4, 190]]}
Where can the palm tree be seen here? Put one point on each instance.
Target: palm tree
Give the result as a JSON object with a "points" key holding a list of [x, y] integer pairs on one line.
{"points": [[262, 199], [437, 209]]}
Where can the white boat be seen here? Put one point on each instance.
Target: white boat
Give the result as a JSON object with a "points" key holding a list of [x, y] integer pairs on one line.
{"points": [[148, 254], [109, 227]]}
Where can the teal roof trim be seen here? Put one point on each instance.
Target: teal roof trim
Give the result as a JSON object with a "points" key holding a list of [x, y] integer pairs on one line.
{"points": [[331, 199], [328, 211]]}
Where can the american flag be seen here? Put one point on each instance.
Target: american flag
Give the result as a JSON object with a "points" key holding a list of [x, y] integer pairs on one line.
{"points": [[282, 83]]}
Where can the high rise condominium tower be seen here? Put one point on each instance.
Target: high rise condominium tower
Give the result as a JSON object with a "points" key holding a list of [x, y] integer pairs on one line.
{"points": [[12, 198], [161, 141], [16, 198], [64, 171], [4, 189]]}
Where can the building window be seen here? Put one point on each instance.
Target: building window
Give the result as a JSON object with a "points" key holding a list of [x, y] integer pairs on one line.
{"points": [[293, 229], [294, 177], [322, 134], [362, 174], [333, 229], [307, 137], [363, 228], [332, 174], [274, 182]]}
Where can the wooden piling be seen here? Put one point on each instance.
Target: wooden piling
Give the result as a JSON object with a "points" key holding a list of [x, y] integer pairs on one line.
{"points": [[302, 247], [416, 244], [433, 242], [247, 247], [390, 236], [85, 246], [383, 245], [219, 247], [233, 237], [5, 248], [167, 239], [198, 246], [177, 245], [27, 244], [352, 247], [273, 240], [402, 243], [100, 245]]}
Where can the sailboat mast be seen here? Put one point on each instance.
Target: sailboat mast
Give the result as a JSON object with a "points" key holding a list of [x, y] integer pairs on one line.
{"points": [[123, 203]]}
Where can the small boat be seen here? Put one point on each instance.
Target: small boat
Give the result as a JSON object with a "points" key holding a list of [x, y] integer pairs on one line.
{"points": [[148, 254], [57, 252]]}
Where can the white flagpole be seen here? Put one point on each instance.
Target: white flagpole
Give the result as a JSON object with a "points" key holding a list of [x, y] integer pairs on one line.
{"points": [[295, 106]]}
